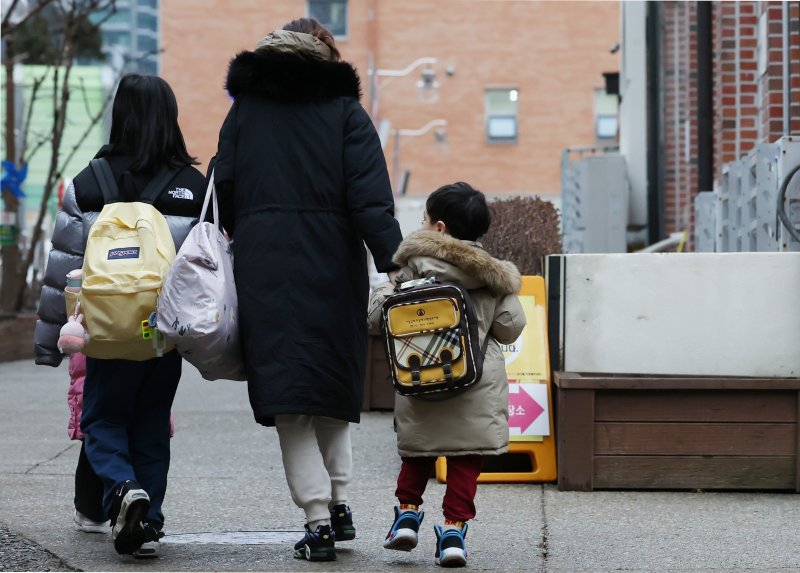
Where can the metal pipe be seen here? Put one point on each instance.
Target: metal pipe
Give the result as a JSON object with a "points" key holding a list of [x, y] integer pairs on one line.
{"points": [[655, 187], [396, 174], [396, 161], [705, 99], [424, 129], [407, 70]]}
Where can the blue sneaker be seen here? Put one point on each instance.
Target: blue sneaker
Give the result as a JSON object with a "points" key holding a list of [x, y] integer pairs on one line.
{"points": [[317, 545], [404, 534], [451, 549], [342, 523]]}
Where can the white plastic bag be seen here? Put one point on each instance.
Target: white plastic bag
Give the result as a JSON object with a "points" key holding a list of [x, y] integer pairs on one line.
{"points": [[198, 308]]}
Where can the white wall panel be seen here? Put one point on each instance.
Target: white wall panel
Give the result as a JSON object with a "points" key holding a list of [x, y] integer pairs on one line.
{"points": [[733, 314]]}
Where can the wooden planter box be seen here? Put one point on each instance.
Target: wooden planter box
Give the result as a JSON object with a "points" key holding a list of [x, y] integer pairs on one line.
{"points": [[677, 432]]}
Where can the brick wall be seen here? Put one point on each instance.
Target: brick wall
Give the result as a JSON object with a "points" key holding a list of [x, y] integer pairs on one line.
{"points": [[735, 85], [679, 68], [770, 91], [554, 53], [748, 96]]}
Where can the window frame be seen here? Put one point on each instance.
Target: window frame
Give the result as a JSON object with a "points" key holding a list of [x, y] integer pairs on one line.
{"points": [[346, 16], [488, 116]]}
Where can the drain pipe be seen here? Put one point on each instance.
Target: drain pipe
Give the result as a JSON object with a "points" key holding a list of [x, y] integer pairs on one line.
{"points": [[655, 127], [787, 91]]}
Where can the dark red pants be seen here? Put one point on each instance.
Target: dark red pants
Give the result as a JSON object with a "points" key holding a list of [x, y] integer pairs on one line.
{"points": [[462, 483]]}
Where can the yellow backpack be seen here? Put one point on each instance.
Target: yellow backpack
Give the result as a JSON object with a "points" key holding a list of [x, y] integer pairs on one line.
{"points": [[128, 254]]}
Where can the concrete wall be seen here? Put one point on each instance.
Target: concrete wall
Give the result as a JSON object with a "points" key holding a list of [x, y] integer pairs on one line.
{"points": [[732, 314]]}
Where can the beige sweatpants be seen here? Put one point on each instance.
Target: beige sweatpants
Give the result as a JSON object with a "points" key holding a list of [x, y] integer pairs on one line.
{"points": [[318, 461]]}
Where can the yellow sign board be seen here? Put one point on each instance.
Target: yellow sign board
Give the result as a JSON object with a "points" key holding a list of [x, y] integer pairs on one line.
{"points": [[530, 398]]}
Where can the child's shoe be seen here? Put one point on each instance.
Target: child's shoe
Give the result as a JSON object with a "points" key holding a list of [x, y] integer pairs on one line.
{"points": [[317, 545], [451, 549], [152, 542], [342, 523], [128, 509], [89, 526], [404, 534]]}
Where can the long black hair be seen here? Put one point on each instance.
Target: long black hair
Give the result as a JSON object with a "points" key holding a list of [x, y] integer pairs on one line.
{"points": [[144, 124]]}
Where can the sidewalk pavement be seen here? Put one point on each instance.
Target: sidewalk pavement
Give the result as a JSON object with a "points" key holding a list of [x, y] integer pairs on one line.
{"points": [[227, 479]]}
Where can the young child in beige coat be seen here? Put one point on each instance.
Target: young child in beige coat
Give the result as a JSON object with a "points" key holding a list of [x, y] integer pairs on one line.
{"points": [[467, 426]]}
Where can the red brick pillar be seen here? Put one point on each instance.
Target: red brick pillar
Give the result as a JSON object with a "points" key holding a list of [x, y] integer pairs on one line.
{"points": [[771, 92], [735, 81], [679, 65]]}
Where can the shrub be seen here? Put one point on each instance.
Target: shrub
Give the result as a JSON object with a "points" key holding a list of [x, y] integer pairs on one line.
{"points": [[523, 231]]}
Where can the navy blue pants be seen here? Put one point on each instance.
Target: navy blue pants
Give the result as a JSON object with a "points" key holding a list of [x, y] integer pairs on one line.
{"points": [[88, 489], [126, 410]]}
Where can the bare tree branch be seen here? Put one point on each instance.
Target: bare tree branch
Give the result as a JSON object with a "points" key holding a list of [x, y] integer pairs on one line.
{"points": [[37, 84], [78, 9], [8, 28], [39, 144], [84, 96], [60, 101], [7, 17]]}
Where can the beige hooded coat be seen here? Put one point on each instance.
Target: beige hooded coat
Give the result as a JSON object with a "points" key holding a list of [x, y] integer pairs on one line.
{"points": [[476, 421]]}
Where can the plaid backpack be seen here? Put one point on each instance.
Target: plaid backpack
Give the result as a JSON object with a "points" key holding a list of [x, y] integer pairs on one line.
{"points": [[432, 343]]}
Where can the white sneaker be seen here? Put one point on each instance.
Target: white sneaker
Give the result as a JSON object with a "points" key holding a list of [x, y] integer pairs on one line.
{"points": [[148, 550], [88, 526], [151, 546]]}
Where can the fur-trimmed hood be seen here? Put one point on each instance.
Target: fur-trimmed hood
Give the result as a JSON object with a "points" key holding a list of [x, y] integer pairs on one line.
{"points": [[477, 267], [291, 77]]}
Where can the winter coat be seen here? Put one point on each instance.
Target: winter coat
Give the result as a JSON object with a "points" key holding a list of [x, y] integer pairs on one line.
{"points": [[476, 421], [180, 203], [77, 375], [301, 172]]}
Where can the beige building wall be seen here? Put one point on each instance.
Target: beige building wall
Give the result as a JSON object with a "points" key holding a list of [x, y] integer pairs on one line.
{"points": [[552, 52]]}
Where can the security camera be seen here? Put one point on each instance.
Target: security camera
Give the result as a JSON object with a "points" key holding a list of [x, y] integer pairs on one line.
{"points": [[450, 71]]}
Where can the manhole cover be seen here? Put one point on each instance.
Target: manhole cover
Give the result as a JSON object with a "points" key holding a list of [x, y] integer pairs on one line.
{"points": [[235, 537]]}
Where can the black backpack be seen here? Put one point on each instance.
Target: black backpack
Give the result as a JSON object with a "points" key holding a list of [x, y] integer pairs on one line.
{"points": [[432, 342]]}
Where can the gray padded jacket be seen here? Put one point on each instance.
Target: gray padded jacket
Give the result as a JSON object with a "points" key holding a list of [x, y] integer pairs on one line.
{"points": [[183, 195]]}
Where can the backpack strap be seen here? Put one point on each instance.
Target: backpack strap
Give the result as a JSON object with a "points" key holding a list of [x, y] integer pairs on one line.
{"points": [[157, 184], [105, 180]]}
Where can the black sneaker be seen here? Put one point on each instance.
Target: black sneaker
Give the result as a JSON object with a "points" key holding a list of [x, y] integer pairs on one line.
{"points": [[451, 549], [128, 509], [342, 523], [317, 545], [152, 544], [404, 534]]}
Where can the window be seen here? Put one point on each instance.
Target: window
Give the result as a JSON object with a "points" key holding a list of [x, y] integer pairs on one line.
{"points": [[147, 21], [148, 3], [606, 127], [146, 43], [147, 67], [606, 108], [114, 38], [121, 16], [501, 115], [330, 13]]}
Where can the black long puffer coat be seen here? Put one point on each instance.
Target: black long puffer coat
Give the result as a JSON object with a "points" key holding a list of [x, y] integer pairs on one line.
{"points": [[303, 182]]}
